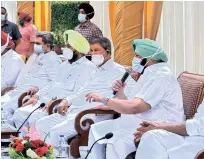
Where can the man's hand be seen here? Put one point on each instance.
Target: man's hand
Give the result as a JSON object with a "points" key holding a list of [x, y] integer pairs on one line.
{"points": [[147, 126], [33, 91], [63, 107], [102, 107], [135, 75], [95, 97], [33, 100], [118, 86]]}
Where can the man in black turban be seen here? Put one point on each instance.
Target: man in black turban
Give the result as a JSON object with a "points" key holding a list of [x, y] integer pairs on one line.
{"points": [[88, 29]]}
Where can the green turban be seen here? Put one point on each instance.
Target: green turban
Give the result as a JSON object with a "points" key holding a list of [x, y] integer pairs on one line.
{"points": [[147, 48]]}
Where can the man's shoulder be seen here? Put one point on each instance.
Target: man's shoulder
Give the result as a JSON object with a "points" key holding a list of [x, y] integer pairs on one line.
{"points": [[89, 63], [11, 24], [15, 56], [118, 67]]}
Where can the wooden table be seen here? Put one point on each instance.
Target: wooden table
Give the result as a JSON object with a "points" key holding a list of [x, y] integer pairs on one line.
{"points": [[7, 131]]}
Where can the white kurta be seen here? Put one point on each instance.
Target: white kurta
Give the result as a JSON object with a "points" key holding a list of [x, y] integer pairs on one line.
{"points": [[157, 87], [167, 145], [70, 78], [100, 81], [11, 65], [41, 73]]}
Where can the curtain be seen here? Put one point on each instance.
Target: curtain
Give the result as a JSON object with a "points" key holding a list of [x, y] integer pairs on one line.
{"points": [[129, 21], [181, 35], [152, 15], [112, 17], [128, 26], [43, 15]]}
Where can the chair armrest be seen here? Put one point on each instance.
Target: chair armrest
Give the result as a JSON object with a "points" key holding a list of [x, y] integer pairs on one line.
{"points": [[7, 89], [52, 105], [21, 98], [200, 155], [88, 121]]}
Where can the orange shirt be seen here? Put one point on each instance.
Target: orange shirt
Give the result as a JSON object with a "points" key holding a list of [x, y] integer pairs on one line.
{"points": [[28, 32]]}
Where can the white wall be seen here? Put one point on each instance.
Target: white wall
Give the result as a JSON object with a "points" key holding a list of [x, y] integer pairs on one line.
{"points": [[101, 17], [11, 7], [181, 34]]}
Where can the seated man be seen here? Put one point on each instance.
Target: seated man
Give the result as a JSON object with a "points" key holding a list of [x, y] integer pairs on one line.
{"points": [[171, 141], [156, 97], [71, 76], [41, 72], [11, 62], [100, 80]]}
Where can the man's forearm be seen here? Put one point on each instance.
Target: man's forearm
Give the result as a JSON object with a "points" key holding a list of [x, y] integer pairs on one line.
{"points": [[179, 129], [133, 106]]}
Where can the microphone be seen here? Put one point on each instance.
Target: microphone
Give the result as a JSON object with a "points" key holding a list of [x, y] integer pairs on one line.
{"points": [[107, 136], [41, 106], [124, 78]]}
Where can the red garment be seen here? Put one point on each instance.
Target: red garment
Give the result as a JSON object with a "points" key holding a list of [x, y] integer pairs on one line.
{"points": [[4, 40], [24, 16]]}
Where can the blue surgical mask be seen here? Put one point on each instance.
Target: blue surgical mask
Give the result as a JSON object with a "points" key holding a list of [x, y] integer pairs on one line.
{"points": [[136, 62], [3, 17], [136, 66], [82, 18]]}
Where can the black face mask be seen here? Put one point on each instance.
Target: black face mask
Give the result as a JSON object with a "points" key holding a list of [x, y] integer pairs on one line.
{"points": [[74, 58], [21, 22], [89, 57]]}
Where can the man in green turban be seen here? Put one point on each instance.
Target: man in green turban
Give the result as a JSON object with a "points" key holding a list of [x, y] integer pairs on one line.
{"points": [[156, 96]]}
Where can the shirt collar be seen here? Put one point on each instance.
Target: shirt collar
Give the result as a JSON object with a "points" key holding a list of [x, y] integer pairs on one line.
{"points": [[155, 67], [109, 64], [79, 61]]}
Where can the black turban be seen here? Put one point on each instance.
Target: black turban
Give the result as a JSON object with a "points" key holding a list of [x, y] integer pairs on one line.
{"points": [[87, 9]]}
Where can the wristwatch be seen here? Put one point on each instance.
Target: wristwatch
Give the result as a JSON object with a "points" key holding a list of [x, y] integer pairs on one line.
{"points": [[106, 101]]}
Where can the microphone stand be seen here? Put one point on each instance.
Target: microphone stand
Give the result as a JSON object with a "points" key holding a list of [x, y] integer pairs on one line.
{"points": [[93, 146], [28, 117]]}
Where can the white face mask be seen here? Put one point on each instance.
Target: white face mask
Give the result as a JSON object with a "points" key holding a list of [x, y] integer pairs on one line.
{"points": [[82, 18], [38, 49], [97, 59], [3, 17], [68, 53], [136, 66], [5, 45]]}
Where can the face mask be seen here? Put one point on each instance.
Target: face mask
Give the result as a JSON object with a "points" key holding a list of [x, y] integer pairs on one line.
{"points": [[97, 59], [3, 17], [38, 49], [136, 66], [82, 18], [21, 23], [68, 53], [5, 46], [136, 62]]}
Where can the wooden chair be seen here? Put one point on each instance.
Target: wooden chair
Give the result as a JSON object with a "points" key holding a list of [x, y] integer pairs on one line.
{"points": [[200, 155], [7, 89], [192, 86]]}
